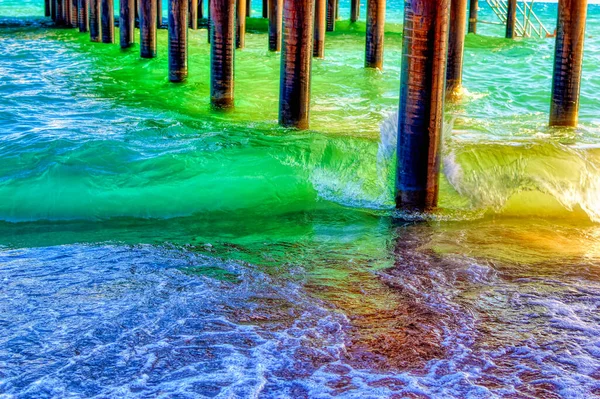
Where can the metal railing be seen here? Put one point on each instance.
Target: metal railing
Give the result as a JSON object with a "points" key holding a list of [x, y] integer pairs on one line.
{"points": [[527, 23]]}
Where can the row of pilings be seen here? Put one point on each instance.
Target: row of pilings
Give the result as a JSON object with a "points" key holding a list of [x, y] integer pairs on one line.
{"points": [[432, 56]]}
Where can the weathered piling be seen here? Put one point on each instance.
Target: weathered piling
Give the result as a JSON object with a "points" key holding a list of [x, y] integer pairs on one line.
{"points": [[59, 6], [421, 112], [126, 23], [456, 46], [320, 28], [108, 21], [265, 8], [375, 33], [159, 14], [354, 10], [296, 60], [200, 13], [178, 43], [240, 28], [330, 15], [83, 7], [568, 60], [148, 25], [275, 24], [209, 22], [193, 14], [222, 14], [95, 26], [53, 10], [47, 6], [248, 8], [74, 17], [66, 12], [473, 10], [511, 19]]}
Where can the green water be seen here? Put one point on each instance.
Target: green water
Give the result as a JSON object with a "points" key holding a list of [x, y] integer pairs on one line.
{"points": [[110, 175]]}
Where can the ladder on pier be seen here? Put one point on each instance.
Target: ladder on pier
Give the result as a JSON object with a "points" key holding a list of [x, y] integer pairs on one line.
{"points": [[527, 23]]}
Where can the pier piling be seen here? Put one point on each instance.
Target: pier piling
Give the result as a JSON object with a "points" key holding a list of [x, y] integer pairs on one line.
{"points": [[240, 28], [456, 46], [473, 11], [265, 8], [159, 14], [222, 14], [275, 24], [320, 28], [178, 26], [200, 9], [126, 23], [330, 15], [148, 25], [375, 33], [568, 60], [296, 60], [421, 112], [193, 14], [108, 21], [354, 10], [511, 19], [47, 12], [53, 10], [83, 8], [95, 25], [74, 14], [248, 8]]}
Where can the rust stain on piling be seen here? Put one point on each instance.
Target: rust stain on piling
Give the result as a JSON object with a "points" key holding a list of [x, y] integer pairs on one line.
{"points": [[148, 28], [222, 14], [375, 34], [422, 92], [275, 24], [568, 60], [296, 61]]}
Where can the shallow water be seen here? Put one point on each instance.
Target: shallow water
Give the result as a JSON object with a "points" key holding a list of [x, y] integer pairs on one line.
{"points": [[151, 247]]}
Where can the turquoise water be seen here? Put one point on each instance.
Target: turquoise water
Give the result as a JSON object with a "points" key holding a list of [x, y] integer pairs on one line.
{"points": [[150, 246]]}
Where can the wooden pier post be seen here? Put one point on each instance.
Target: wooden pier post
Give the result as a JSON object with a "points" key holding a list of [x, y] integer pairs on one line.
{"points": [[178, 43], [473, 10], [296, 61], [193, 14], [265, 8], [456, 46], [60, 15], [320, 28], [240, 28], [421, 112], [200, 9], [83, 7], [159, 14], [66, 11], [74, 14], [108, 21], [148, 25], [375, 33], [511, 19], [47, 12], [95, 25], [275, 24], [354, 10], [209, 22], [568, 60], [248, 8], [53, 10], [126, 23], [331, 15], [222, 14]]}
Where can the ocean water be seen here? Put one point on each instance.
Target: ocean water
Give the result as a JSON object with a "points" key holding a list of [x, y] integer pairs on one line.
{"points": [[153, 247]]}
